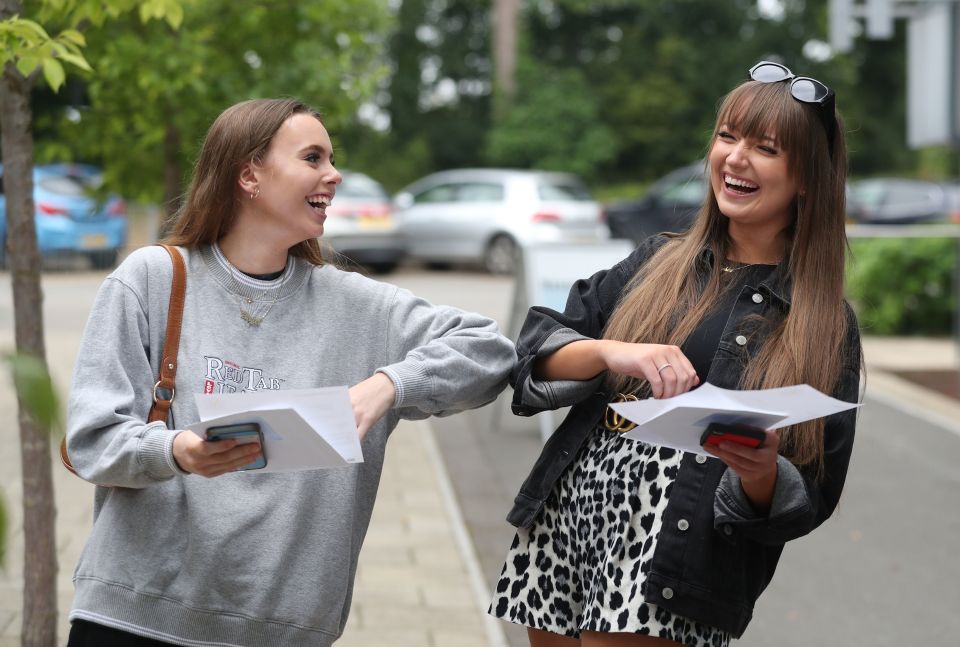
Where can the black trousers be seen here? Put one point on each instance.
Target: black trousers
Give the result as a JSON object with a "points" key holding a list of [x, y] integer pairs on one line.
{"points": [[90, 634]]}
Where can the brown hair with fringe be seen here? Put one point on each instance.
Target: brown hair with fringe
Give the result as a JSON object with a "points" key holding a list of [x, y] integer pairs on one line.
{"points": [[664, 302], [241, 134]]}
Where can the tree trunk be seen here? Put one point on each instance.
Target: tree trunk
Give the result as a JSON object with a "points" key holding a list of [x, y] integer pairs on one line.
{"points": [[172, 178], [505, 14], [39, 512]]}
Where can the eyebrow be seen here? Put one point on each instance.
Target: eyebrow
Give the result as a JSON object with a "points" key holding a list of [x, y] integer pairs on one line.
{"points": [[765, 138], [313, 147]]}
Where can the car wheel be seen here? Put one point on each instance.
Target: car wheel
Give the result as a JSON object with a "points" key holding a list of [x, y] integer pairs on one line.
{"points": [[501, 255], [441, 266], [103, 260]]}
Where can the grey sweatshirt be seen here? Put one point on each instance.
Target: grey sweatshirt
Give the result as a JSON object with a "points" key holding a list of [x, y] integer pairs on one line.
{"points": [[247, 558]]}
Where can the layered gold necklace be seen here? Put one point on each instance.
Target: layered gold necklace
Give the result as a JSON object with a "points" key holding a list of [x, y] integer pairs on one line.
{"points": [[253, 307], [260, 307]]}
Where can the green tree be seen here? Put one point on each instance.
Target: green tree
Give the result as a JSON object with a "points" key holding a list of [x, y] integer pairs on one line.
{"points": [[29, 52], [156, 89], [439, 89], [659, 68], [553, 124]]}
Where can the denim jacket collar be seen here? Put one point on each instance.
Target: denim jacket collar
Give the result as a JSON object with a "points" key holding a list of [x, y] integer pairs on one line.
{"points": [[777, 285]]}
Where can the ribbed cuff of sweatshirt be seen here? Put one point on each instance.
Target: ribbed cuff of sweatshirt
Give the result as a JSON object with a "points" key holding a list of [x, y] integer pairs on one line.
{"points": [[553, 394], [156, 452], [411, 381]]}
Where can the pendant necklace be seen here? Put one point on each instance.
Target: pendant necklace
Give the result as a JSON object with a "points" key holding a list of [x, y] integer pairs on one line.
{"points": [[257, 307], [730, 268], [258, 313]]}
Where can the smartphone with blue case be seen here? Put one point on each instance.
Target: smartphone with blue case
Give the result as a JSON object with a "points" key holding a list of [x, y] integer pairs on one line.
{"points": [[245, 432]]}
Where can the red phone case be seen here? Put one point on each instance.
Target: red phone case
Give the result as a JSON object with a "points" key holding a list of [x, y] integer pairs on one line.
{"points": [[716, 433]]}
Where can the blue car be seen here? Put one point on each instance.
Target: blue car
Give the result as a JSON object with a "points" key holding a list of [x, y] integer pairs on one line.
{"points": [[69, 218]]}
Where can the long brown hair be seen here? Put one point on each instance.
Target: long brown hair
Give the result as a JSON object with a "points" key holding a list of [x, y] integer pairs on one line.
{"points": [[241, 134], [664, 302]]}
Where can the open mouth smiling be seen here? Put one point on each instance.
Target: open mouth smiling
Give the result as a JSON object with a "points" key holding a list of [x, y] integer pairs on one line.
{"points": [[738, 185], [319, 203]]}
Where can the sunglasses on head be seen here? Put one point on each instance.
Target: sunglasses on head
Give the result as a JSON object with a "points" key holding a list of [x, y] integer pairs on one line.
{"points": [[803, 89]]}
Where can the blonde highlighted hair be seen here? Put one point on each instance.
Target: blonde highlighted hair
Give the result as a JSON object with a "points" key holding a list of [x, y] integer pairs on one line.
{"points": [[665, 301]]}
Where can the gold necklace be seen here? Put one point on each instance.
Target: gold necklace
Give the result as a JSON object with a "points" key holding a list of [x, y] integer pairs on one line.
{"points": [[728, 268], [255, 316]]}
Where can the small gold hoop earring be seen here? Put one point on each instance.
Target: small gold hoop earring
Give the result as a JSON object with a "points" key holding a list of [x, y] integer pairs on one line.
{"points": [[255, 194]]}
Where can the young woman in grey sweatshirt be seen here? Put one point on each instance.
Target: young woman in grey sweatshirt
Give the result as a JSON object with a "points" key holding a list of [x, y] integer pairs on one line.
{"points": [[185, 550]]}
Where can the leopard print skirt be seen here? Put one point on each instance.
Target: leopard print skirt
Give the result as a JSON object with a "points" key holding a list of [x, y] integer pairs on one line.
{"points": [[581, 566]]}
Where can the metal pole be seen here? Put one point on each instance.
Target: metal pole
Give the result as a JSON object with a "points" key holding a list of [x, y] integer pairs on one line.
{"points": [[956, 303]]}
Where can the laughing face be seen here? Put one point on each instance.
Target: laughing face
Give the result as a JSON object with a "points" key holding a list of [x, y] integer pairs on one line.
{"points": [[297, 180], [751, 180]]}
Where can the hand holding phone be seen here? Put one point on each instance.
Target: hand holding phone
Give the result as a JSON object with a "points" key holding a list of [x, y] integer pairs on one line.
{"points": [[717, 432], [247, 432]]}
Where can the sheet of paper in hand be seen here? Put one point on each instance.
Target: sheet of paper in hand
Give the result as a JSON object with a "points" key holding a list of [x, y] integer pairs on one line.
{"points": [[302, 428], [678, 422]]}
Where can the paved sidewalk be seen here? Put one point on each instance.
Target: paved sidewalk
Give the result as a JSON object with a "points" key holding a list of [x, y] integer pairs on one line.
{"points": [[884, 355]]}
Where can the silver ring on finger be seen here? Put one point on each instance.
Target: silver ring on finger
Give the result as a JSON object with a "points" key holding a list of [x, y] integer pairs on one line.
{"points": [[666, 365]]}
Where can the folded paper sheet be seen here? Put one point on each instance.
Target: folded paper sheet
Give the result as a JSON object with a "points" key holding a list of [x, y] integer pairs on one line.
{"points": [[302, 428], [679, 421]]}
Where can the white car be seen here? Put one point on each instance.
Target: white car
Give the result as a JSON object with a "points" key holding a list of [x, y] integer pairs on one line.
{"points": [[484, 215], [360, 224]]}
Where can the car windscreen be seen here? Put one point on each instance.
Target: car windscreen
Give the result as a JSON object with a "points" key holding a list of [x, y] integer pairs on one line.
{"points": [[64, 185], [360, 186], [868, 194], [553, 190]]}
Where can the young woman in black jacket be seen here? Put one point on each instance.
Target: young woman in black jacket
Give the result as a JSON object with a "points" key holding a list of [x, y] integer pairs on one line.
{"points": [[625, 543]]}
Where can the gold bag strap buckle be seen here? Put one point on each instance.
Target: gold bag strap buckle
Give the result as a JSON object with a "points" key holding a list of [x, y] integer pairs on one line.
{"points": [[613, 421]]}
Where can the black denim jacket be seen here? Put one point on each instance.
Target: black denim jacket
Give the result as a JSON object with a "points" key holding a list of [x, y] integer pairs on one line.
{"points": [[715, 554]]}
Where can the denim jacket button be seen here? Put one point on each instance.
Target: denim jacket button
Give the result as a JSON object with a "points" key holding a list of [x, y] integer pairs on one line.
{"points": [[667, 593], [741, 340], [683, 524], [727, 529], [701, 459], [757, 297]]}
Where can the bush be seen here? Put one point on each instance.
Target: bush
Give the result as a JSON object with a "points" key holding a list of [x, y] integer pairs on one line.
{"points": [[904, 286]]}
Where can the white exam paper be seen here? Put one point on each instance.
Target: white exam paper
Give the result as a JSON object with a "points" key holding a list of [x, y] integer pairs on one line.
{"points": [[302, 428], [679, 421]]}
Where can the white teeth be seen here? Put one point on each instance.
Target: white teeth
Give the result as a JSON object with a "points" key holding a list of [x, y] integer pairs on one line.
{"points": [[742, 183], [319, 201]]}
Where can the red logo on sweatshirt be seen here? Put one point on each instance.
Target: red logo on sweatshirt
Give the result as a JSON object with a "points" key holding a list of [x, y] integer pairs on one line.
{"points": [[224, 376]]}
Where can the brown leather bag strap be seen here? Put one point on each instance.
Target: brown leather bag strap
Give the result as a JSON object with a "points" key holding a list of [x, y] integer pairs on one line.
{"points": [[165, 389], [166, 384]]}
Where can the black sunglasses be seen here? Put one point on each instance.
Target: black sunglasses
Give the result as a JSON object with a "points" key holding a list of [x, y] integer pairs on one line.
{"points": [[803, 89]]}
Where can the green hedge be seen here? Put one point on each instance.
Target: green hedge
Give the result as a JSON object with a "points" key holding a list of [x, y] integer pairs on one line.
{"points": [[903, 286]]}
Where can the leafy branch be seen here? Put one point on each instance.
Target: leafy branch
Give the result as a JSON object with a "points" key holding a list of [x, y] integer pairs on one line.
{"points": [[26, 44]]}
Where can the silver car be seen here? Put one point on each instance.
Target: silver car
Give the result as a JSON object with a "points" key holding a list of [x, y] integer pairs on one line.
{"points": [[360, 224], [484, 215], [890, 201]]}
